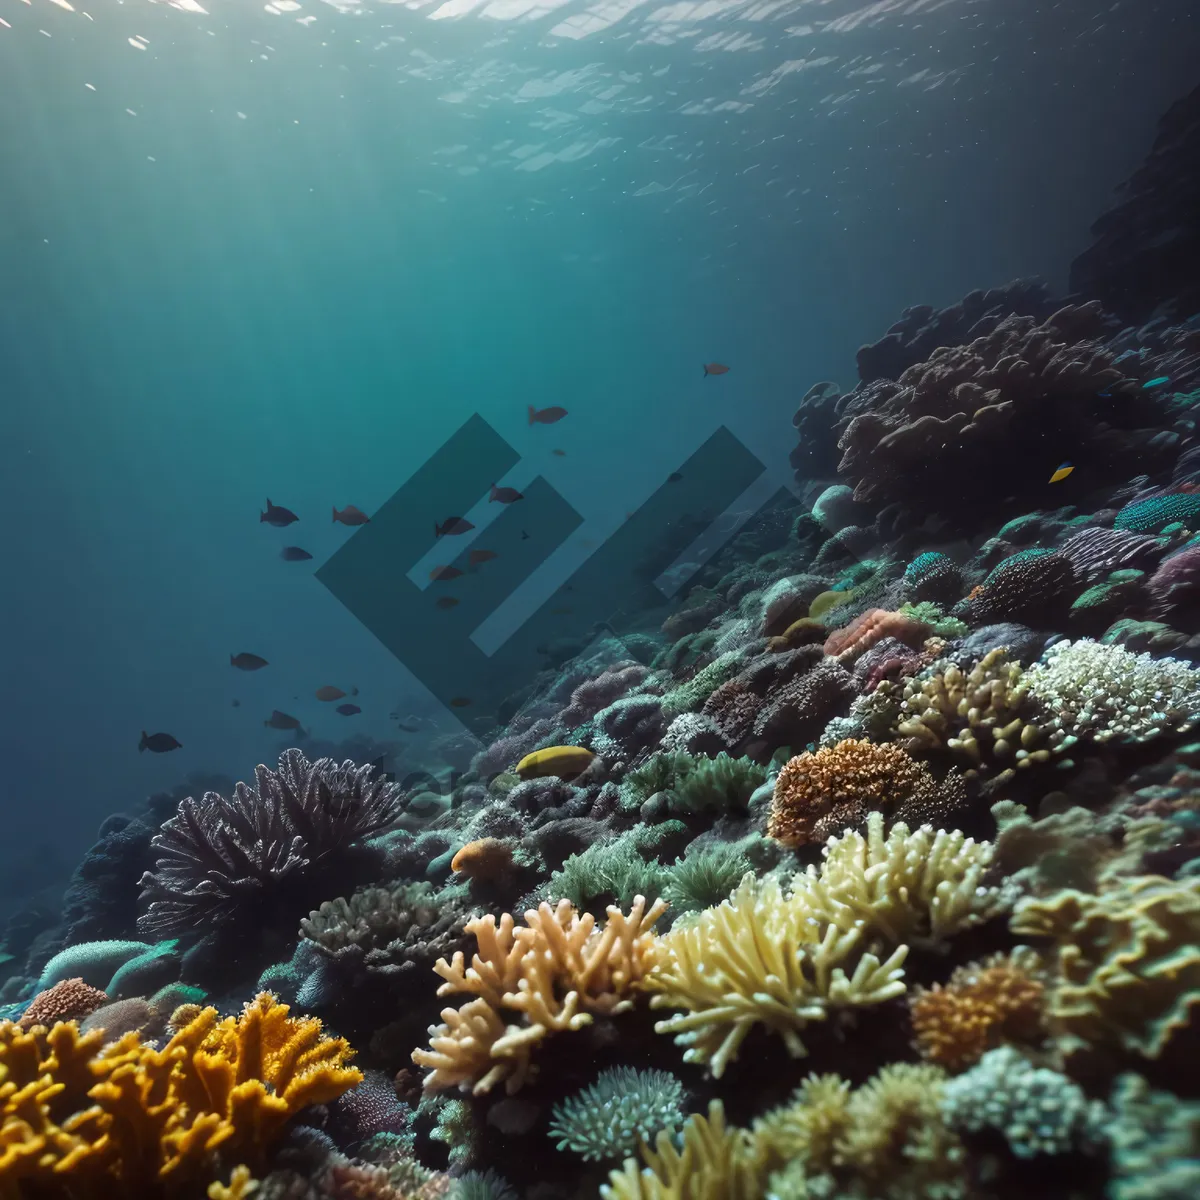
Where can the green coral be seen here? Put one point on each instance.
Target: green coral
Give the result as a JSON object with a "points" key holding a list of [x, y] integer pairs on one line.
{"points": [[693, 784], [690, 696], [704, 877], [930, 614], [607, 872], [611, 1117]]}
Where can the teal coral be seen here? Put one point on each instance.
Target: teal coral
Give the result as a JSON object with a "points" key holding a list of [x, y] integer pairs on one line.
{"points": [[1039, 1111], [1154, 513], [611, 1117], [605, 873], [1154, 1140], [690, 696], [705, 877]]}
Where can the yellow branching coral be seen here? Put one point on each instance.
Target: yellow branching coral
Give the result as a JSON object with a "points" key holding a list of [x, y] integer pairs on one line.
{"points": [[125, 1119], [716, 1162], [982, 1005], [241, 1185], [1128, 960], [760, 958], [906, 887], [554, 972]]}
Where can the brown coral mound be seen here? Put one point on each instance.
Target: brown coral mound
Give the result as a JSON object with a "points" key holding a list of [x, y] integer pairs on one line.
{"points": [[67, 1000], [982, 1005], [818, 794], [951, 436], [873, 626]]}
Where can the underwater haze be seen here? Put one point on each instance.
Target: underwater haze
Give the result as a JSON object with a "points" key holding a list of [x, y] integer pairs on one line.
{"points": [[714, 597]]}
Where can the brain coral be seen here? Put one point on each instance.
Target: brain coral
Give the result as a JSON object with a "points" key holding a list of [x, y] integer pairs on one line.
{"points": [[1128, 964], [952, 435]]}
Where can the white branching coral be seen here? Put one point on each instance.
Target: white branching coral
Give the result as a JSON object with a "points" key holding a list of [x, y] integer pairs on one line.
{"points": [[906, 887], [1105, 693]]}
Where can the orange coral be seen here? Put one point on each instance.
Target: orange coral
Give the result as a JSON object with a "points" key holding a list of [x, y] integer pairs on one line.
{"points": [[67, 1000], [547, 977], [873, 626], [818, 794], [488, 859], [128, 1120], [983, 1004]]}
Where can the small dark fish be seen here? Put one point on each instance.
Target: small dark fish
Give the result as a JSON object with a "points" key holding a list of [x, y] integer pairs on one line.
{"points": [[294, 554], [524, 536], [350, 516], [247, 662], [236, 703], [281, 720], [560, 453], [504, 495], [158, 743], [480, 556], [444, 573], [329, 692], [674, 477], [460, 702], [277, 515], [348, 710], [452, 525], [354, 691], [715, 368], [446, 601], [546, 416]]}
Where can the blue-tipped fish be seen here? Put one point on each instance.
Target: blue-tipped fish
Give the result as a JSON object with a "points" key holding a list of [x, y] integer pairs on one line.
{"points": [[1061, 473]]}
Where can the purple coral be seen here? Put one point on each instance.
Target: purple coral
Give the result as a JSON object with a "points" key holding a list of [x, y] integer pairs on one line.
{"points": [[1177, 581], [268, 851]]}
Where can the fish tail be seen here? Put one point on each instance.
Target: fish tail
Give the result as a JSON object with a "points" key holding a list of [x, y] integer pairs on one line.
{"points": [[143, 742], [706, 371], [436, 531], [335, 514], [493, 493], [532, 414], [231, 660]]}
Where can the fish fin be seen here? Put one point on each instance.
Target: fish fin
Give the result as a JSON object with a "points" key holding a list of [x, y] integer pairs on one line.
{"points": [[532, 414], [706, 371], [142, 744], [436, 531], [262, 517], [335, 514]]}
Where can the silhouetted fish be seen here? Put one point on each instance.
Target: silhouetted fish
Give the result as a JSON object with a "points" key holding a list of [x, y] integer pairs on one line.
{"points": [[546, 416], [524, 536], [281, 720], [247, 662], [480, 556], [560, 453], [158, 743], [329, 692], [348, 710], [504, 495], [277, 515], [715, 368], [452, 525], [460, 702], [350, 516], [294, 554], [674, 477], [446, 601], [445, 573]]}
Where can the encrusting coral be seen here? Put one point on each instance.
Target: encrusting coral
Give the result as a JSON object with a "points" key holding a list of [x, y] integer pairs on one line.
{"points": [[129, 1120], [1128, 961], [554, 972]]}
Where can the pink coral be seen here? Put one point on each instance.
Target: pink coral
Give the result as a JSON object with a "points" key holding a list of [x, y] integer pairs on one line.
{"points": [[1177, 581], [850, 643]]}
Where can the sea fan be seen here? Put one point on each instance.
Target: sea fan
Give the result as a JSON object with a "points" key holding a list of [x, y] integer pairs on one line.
{"points": [[267, 849]]}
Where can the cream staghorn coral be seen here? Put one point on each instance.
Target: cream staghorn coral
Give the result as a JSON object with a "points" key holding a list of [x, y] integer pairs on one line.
{"points": [[552, 974], [1128, 962], [835, 941], [759, 958]]}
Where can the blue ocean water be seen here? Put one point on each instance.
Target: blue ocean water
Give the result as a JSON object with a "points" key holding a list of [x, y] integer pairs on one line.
{"points": [[284, 251]]}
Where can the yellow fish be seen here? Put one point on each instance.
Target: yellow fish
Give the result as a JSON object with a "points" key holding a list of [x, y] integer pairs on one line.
{"points": [[1061, 473], [564, 761]]}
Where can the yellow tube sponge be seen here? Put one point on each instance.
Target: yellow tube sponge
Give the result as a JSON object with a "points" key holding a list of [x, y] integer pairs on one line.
{"points": [[909, 887], [1128, 960], [555, 972], [760, 958]]}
